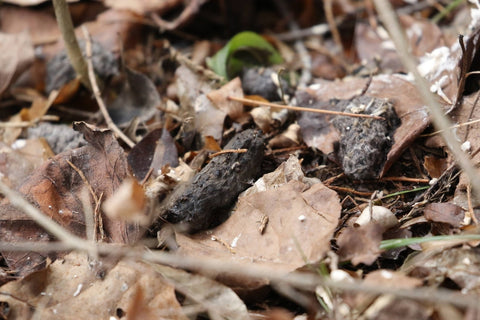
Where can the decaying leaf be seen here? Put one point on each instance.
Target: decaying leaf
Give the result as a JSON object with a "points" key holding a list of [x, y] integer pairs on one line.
{"points": [[461, 265], [127, 203], [360, 245], [219, 98], [445, 213], [154, 151], [19, 161], [217, 299], [55, 189], [70, 289], [375, 48], [16, 54], [137, 99], [385, 306]]}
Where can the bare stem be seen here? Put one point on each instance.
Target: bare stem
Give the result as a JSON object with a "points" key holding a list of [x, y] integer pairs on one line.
{"points": [[96, 91], [255, 103], [74, 53]]}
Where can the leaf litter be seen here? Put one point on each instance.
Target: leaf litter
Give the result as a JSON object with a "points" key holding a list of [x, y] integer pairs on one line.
{"points": [[314, 195]]}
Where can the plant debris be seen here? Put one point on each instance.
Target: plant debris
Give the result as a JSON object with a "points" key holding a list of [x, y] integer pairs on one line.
{"points": [[241, 160]]}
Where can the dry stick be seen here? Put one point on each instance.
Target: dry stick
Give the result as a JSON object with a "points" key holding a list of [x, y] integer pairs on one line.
{"points": [[26, 124], [327, 7], [74, 53], [452, 127], [89, 220], [213, 155], [316, 30], [406, 179], [254, 103], [96, 91], [307, 281], [439, 119], [84, 179], [348, 190], [255, 271]]}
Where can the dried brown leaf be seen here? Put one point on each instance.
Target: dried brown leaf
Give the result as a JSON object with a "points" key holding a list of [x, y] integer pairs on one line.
{"points": [[360, 245], [219, 98], [70, 289], [16, 55], [18, 163], [154, 151], [138, 98], [445, 213], [55, 189], [217, 299]]}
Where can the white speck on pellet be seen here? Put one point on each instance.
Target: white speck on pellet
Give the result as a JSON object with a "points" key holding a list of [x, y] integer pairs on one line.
{"points": [[79, 289], [235, 241], [302, 218], [386, 274]]}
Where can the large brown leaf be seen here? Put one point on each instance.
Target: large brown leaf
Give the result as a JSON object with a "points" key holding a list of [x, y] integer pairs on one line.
{"points": [[55, 189]]}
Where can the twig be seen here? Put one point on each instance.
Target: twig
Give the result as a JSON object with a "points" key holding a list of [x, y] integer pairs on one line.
{"points": [[254, 103], [84, 179], [405, 179], [451, 128], [74, 53], [302, 280], [439, 119], [89, 220], [470, 213], [88, 214], [96, 91], [348, 190], [26, 124], [327, 7], [213, 155], [317, 30]]}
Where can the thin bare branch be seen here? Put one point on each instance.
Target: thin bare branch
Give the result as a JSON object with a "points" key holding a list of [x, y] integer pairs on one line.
{"points": [[74, 53], [96, 91], [254, 103]]}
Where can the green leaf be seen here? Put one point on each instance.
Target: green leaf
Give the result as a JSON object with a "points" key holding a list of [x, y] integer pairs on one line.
{"points": [[243, 50]]}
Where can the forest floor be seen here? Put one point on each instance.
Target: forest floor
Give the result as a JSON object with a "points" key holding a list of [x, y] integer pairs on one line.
{"points": [[211, 159]]}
